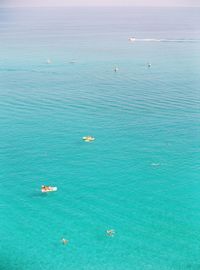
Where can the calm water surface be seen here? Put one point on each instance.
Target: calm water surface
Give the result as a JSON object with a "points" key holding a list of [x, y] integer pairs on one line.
{"points": [[140, 176]]}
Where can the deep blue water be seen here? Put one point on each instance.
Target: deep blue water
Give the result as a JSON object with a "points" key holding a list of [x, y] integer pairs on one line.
{"points": [[141, 174]]}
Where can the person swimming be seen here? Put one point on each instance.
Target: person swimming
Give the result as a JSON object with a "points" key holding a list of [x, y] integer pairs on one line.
{"points": [[45, 188], [88, 138], [64, 241], [48, 188], [110, 233], [155, 164]]}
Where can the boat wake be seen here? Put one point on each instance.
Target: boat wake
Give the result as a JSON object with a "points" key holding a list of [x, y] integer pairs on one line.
{"points": [[164, 40]]}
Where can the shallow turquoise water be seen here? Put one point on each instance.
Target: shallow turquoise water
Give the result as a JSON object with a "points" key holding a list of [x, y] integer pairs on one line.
{"points": [[140, 176]]}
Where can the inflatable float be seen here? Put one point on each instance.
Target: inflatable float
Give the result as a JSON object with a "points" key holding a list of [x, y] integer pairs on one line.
{"points": [[45, 189], [88, 139]]}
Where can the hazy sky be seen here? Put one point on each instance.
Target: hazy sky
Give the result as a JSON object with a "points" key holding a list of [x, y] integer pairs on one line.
{"points": [[99, 3]]}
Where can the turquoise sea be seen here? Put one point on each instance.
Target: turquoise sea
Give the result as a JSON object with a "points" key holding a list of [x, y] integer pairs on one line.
{"points": [[140, 177]]}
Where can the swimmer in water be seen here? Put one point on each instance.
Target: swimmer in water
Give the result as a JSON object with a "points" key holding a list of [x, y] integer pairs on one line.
{"points": [[64, 241], [88, 138], [110, 233], [155, 164], [45, 188]]}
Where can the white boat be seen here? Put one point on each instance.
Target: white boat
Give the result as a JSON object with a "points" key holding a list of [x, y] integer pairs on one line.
{"points": [[132, 39], [49, 61]]}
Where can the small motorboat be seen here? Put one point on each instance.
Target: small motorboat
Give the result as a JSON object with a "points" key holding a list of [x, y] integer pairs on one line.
{"points": [[132, 39], [48, 189], [88, 139], [116, 69]]}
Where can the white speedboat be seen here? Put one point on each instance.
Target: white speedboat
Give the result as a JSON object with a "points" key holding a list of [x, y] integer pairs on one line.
{"points": [[132, 39]]}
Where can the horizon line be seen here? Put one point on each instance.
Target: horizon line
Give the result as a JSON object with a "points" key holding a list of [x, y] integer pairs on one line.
{"points": [[99, 6]]}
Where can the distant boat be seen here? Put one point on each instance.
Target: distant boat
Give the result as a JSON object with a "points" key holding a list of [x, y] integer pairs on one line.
{"points": [[116, 69], [149, 65], [132, 39], [49, 61]]}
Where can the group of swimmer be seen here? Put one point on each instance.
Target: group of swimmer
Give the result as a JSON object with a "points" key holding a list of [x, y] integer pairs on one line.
{"points": [[116, 69], [109, 233], [44, 188]]}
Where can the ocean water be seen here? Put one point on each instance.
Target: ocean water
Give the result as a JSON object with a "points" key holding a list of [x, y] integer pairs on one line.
{"points": [[139, 177]]}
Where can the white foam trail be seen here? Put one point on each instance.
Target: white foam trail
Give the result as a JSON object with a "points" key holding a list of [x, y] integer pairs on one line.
{"points": [[149, 39], [164, 40]]}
